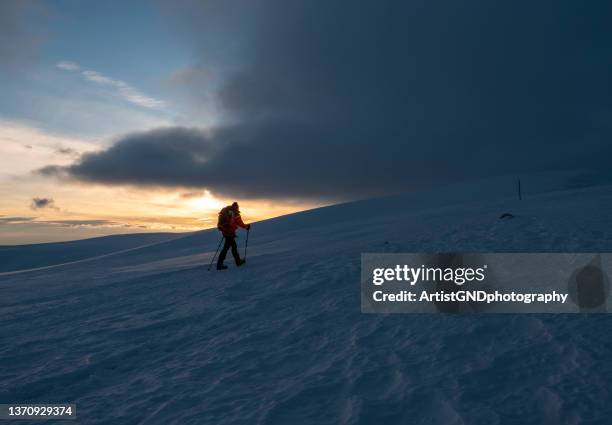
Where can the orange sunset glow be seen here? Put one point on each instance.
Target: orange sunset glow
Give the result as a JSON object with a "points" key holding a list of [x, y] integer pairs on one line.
{"points": [[80, 210]]}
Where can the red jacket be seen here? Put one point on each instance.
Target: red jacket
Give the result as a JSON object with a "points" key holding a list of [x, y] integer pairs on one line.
{"points": [[231, 223]]}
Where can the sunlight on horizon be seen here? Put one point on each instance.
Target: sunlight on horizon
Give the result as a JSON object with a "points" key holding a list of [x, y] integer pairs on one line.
{"points": [[77, 210]]}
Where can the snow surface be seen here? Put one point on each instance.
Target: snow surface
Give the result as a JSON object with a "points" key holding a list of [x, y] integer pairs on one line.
{"points": [[148, 335]]}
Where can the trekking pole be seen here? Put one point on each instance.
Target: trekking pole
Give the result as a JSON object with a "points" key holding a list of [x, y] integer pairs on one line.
{"points": [[215, 256], [246, 243]]}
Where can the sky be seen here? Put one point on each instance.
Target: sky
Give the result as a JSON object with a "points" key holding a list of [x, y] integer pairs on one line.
{"points": [[151, 115]]}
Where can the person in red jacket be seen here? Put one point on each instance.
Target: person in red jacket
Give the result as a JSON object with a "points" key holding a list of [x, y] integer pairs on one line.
{"points": [[229, 221]]}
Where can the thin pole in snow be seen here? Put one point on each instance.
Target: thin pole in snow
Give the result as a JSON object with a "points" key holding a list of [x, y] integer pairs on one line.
{"points": [[215, 256], [519, 190], [246, 244]]}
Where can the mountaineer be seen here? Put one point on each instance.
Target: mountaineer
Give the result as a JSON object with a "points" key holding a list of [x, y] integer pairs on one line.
{"points": [[228, 222]]}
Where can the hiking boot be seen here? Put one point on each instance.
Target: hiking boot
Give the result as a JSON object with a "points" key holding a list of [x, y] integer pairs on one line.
{"points": [[240, 262], [221, 267]]}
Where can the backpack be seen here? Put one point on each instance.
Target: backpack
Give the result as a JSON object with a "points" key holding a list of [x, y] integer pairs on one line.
{"points": [[224, 217]]}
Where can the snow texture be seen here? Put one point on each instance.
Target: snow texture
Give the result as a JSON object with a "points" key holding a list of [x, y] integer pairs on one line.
{"points": [[145, 334]]}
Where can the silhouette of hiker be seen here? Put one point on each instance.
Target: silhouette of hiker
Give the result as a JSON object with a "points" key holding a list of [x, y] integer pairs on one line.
{"points": [[229, 221]]}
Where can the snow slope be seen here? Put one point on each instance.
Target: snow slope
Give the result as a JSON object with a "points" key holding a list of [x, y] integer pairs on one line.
{"points": [[148, 335], [20, 257]]}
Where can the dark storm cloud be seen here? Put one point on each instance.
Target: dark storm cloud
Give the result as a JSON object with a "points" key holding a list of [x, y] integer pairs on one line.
{"points": [[40, 203], [344, 100]]}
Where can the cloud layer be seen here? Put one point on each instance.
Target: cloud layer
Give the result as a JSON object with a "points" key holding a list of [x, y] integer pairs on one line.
{"points": [[122, 88], [331, 100], [40, 203]]}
